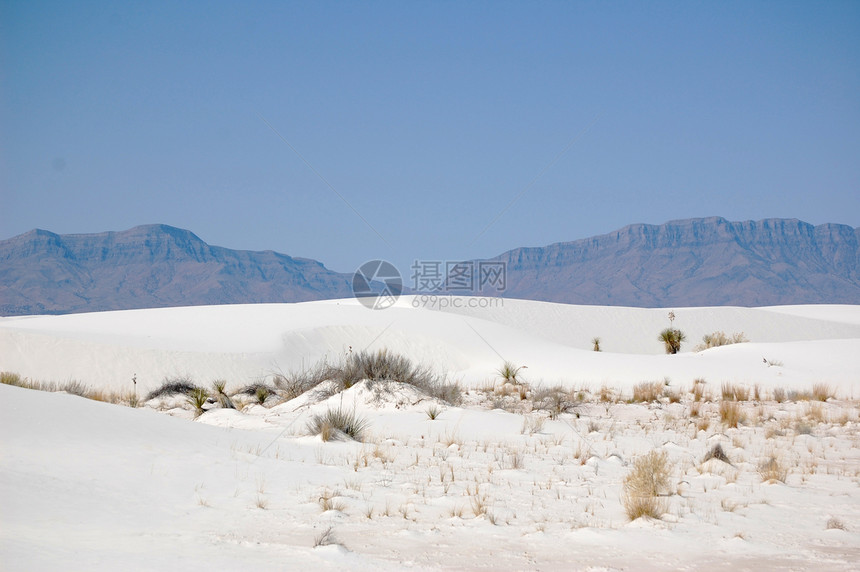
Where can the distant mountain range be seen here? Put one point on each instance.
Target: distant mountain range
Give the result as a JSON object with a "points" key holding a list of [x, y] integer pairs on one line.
{"points": [[694, 262], [149, 267]]}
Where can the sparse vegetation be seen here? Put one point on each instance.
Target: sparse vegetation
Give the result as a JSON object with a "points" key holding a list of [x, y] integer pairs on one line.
{"points": [[595, 342], [734, 392], [717, 339], [648, 391]]}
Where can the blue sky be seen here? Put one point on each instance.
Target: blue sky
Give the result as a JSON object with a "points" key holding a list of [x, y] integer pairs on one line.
{"points": [[427, 118]]}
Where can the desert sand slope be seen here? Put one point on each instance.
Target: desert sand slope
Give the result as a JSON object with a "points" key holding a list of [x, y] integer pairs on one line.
{"points": [[86, 485], [248, 342]]}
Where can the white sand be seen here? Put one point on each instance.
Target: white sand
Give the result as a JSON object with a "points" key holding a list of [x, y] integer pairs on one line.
{"points": [[86, 485]]}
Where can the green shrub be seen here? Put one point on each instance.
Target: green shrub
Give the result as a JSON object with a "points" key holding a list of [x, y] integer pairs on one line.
{"points": [[672, 339], [510, 372], [198, 397]]}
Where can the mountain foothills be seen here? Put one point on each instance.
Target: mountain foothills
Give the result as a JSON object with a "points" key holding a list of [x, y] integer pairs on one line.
{"points": [[694, 262], [149, 267]]}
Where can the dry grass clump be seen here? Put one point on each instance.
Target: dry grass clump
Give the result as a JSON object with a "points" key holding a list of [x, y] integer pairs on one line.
{"points": [[337, 424], [647, 391], [644, 485], [771, 470], [822, 392], [816, 413], [10, 378], [730, 413], [720, 338], [698, 390], [328, 500], [72, 387], [779, 394], [733, 392], [326, 538], [554, 400]]}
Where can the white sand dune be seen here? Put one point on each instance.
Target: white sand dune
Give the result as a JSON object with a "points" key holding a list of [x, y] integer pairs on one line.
{"points": [[248, 342]]}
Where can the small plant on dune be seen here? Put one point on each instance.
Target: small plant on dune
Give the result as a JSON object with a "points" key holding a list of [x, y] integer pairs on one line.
{"points": [[834, 523], [730, 413], [672, 338], [259, 391], [532, 424], [779, 394], [219, 392], [822, 392], [262, 394], [336, 424], [644, 485], [325, 538], [198, 397], [595, 343], [510, 372], [328, 501], [294, 384], [433, 412], [716, 452], [555, 400], [771, 471], [698, 390]]}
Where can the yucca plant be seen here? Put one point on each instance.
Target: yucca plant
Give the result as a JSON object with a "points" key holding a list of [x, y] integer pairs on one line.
{"points": [[198, 397], [672, 338], [509, 372]]}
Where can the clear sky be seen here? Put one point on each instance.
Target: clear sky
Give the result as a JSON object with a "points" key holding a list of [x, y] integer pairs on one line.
{"points": [[347, 131]]}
